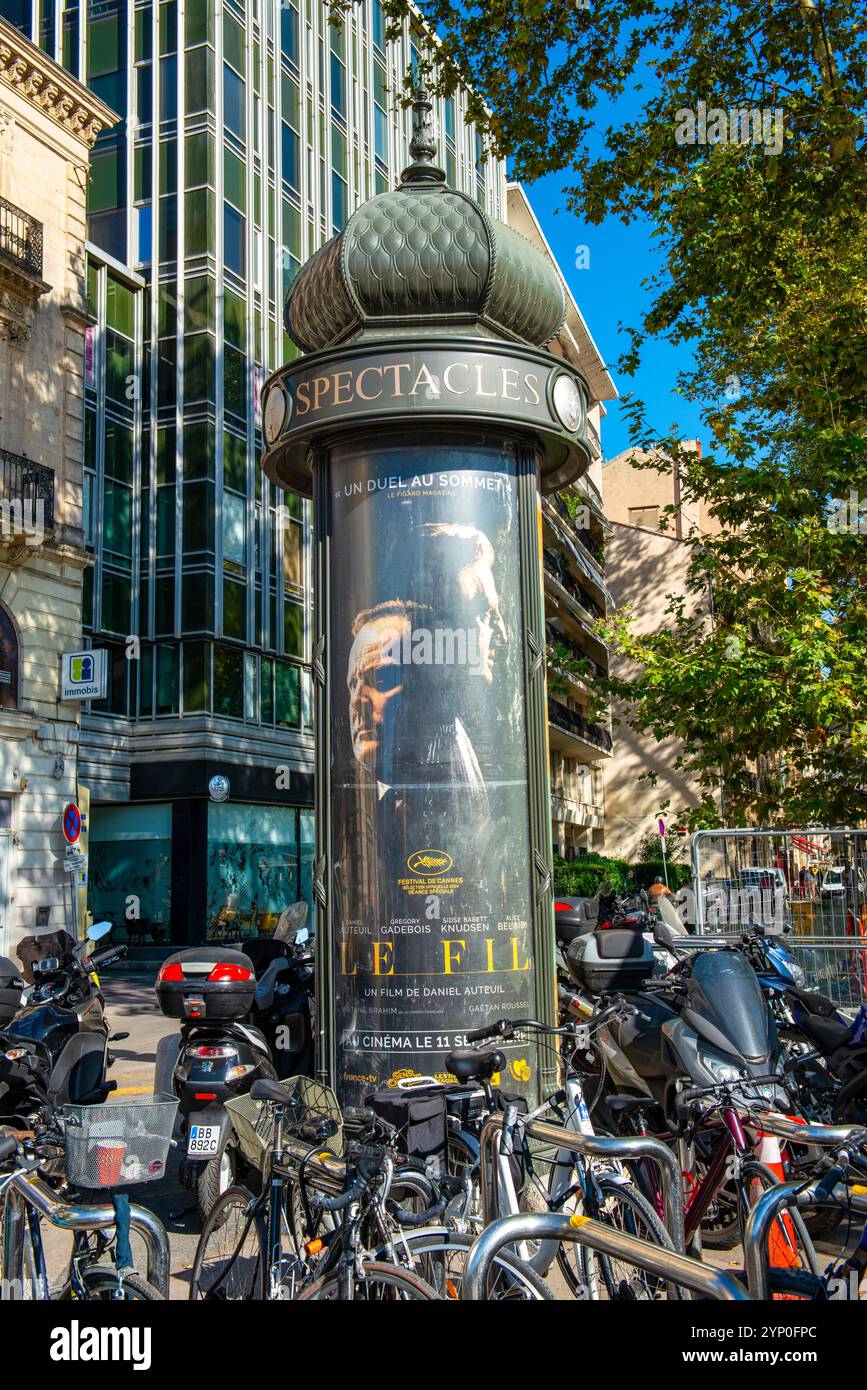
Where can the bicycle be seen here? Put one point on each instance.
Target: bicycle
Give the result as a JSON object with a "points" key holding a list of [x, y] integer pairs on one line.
{"points": [[26, 1200], [294, 1241], [575, 1183]]}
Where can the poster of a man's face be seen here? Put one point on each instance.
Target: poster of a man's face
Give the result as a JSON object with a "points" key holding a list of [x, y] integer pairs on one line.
{"points": [[430, 839]]}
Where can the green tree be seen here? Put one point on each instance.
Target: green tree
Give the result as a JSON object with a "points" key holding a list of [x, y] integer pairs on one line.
{"points": [[763, 281]]}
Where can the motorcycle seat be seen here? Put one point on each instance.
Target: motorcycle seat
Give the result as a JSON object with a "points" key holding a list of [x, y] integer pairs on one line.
{"points": [[263, 952], [615, 943], [468, 1064], [827, 1033]]}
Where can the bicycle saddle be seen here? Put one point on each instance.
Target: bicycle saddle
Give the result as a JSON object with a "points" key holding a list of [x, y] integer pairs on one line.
{"points": [[269, 1090], [468, 1064]]}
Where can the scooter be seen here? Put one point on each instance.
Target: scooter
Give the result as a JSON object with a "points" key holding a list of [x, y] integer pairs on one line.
{"points": [[235, 1030], [60, 1037]]}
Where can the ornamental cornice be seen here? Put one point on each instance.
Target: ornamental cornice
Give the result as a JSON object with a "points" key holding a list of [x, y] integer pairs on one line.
{"points": [[27, 70]]}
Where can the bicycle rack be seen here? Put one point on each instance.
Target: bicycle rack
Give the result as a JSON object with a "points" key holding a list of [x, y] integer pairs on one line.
{"points": [[827, 1136], [788, 1195], [75, 1216], [666, 1264], [591, 1146]]}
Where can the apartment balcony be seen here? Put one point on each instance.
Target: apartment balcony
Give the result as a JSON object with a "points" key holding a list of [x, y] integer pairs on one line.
{"points": [[20, 241], [593, 550], [594, 441], [557, 571], [585, 814], [580, 737], [26, 501]]}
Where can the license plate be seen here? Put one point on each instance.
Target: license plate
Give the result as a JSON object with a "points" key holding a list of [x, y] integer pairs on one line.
{"points": [[203, 1140]]}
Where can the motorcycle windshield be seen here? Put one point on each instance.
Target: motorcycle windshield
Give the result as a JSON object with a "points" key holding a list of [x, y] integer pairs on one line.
{"points": [[724, 990]]}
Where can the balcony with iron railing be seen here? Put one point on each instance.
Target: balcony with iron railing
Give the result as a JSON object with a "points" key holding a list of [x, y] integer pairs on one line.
{"points": [[591, 544], [581, 728], [20, 240], [26, 498], [556, 567]]}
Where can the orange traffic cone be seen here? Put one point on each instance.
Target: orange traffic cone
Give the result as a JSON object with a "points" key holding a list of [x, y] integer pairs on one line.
{"points": [[782, 1246]]}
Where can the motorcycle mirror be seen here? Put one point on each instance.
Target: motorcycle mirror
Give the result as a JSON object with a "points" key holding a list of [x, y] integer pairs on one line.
{"points": [[97, 930]]}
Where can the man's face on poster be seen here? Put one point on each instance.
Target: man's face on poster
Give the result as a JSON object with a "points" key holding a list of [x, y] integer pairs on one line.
{"points": [[374, 678]]}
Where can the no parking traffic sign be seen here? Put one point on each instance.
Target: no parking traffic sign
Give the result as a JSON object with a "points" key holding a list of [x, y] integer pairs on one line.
{"points": [[71, 823]]}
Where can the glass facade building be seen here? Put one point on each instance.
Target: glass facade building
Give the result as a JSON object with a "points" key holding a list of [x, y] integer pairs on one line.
{"points": [[247, 135]]}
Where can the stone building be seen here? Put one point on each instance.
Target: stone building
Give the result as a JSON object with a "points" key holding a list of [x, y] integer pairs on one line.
{"points": [[648, 553], [48, 125]]}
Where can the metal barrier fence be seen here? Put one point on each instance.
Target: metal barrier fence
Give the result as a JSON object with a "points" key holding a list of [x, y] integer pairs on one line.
{"points": [[810, 883]]}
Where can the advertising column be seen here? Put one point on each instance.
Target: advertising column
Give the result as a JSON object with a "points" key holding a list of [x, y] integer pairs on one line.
{"points": [[430, 836]]}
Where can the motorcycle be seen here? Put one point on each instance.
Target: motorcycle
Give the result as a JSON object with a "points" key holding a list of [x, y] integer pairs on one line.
{"points": [[60, 1037], [246, 1016]]}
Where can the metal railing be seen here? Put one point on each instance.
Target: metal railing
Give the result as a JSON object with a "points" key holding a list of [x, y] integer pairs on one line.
{"points": [[565, 718], [655, 1259], [557, 569], [26, 496], [20, 238], [792, 1197], [812, 880], [620, 1149], [26, 1189]]}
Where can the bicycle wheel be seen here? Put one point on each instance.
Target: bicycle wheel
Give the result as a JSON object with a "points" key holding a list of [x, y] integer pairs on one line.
{"points": [[621, 1206], [381, 1283], [101, 1286], [792, 1284], [230, 1258], [439, 1258]]}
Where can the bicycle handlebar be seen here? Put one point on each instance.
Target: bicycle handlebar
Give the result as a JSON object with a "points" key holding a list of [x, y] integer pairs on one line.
{"points": [[318, 1199]]}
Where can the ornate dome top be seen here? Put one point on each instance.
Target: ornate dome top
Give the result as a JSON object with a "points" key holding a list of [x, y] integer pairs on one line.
{"points": [[424, 254]]}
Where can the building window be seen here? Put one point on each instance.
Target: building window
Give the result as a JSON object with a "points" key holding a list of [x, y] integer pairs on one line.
{"points": [[130, 869], [8, 662], [646, 517], [233, 102], [257, 866]]}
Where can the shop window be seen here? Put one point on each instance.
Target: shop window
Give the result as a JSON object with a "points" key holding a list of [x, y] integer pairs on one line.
{"points": [[129, 870], [9, 658], [254, 868]]}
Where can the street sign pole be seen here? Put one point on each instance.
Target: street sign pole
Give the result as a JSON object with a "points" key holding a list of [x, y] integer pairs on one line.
{"points": [[662, 846]]}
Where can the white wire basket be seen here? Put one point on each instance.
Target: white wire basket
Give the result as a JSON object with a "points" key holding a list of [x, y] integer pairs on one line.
{"points": [[119, 1144]]}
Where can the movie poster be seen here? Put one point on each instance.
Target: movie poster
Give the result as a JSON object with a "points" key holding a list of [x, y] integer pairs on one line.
{"points": [[430, 825]]}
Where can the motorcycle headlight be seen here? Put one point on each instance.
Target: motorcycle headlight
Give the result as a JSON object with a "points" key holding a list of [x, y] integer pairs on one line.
{"points": [[797, 973], [718, 1068]]}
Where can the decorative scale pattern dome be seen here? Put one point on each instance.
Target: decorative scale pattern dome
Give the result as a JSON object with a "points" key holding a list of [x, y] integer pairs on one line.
{"points": [[424, 252]]}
